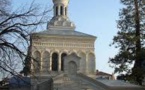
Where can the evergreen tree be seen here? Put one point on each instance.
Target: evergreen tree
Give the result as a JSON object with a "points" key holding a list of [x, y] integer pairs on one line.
{"points": [[130, 41]]}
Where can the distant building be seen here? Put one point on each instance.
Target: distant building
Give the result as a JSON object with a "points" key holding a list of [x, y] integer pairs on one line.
{"points": [[103, 75]]}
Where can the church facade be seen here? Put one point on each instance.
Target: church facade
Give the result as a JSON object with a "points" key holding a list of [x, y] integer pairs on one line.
{"points": [[64, 59], [51, 48]]}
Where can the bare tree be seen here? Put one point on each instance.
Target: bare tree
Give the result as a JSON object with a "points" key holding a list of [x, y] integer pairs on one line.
{"points": [[15, 29]]}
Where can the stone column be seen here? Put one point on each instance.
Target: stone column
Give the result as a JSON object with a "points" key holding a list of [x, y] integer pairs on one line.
{"points": [[64, 10], [32, 65], [87, 67], [58, 9], [59, 62], [50, 64], [41, 62]]}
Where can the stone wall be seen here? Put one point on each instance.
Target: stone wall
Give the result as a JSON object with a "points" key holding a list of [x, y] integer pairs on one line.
{"points": [[22, 88], [41, 83], [47, 85]]}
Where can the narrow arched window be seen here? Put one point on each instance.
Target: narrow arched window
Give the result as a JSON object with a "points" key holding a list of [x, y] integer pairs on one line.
{"points": [[61, 10], [54, 62], [56, 13]]}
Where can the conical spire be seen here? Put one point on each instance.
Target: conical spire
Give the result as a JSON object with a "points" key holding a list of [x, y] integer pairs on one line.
{"points": [[60, 20]]}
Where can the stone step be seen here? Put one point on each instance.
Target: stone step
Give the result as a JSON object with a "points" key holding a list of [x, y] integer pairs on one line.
{"points": [[72, 83]]}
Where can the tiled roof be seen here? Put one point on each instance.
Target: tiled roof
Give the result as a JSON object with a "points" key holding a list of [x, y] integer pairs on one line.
{"points": [[64, 33]]}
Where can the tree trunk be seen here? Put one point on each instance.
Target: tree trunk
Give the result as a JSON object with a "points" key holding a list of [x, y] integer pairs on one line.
{"points": [[138, 61]]}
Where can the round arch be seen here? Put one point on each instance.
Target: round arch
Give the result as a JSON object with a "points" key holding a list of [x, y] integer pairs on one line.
{"points": [[91, 63], [82, 62], [36, 61], [72, 68], [54, 61], [45, 61], [73, 52]]}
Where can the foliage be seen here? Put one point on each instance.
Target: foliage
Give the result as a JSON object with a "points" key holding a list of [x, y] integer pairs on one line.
{"points": [[130, 40]]}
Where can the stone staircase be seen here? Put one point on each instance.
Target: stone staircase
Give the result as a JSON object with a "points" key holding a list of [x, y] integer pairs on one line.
{"points": [[73, 82], [79, 82]]}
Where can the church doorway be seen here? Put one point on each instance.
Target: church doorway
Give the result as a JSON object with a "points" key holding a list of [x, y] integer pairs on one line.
{"points": [[72, 68], [54, 62]]}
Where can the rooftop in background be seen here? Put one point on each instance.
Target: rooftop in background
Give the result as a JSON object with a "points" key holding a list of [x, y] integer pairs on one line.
{"points": [[104, 76], [102, 73], [120, 85]]}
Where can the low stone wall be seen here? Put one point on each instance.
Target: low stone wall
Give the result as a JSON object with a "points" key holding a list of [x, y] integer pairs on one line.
{"points": [[21, 88], [46, 85], [91, 80], [4, 88], [41, 83]]}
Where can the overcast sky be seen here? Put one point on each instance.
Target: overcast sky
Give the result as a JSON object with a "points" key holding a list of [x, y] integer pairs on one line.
{"points": [[95, 17]]}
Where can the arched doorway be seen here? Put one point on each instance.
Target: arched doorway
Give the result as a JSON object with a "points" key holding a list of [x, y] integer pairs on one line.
{"points": [[54, 62], [62, 61], [72, 68]]}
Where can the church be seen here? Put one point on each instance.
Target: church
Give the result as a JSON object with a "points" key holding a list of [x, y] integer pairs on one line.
{"points": [[60, 50], [60, 39], [64, 58]]}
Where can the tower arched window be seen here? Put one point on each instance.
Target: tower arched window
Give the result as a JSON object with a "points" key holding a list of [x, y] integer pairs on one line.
{"points": [[61, 10], [56, 13]]}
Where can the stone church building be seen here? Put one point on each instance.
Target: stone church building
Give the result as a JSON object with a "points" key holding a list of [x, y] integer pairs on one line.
{"points": [[61, 52], [64, 58], [60, 39]]}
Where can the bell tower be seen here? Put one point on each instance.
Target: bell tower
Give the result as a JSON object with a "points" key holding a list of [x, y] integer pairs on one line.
{"points": [[60, 7], [60, 20]]}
